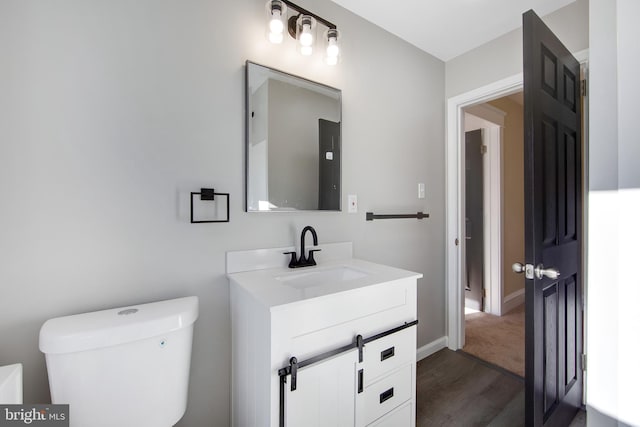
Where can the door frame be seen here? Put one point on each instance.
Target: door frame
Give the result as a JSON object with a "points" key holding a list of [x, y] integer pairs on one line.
{"points": [[492, 123], [454, 159], [455, 260]]}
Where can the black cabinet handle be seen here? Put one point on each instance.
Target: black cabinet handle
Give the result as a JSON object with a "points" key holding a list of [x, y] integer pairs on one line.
{"points": [[360, 380], [386, 395], [385, 354]]}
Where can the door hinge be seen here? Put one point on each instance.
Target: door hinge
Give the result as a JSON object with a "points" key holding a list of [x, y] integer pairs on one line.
{"points": [[583, 361], [483, 149], [457, 241], [583, 87], [484, 292]]}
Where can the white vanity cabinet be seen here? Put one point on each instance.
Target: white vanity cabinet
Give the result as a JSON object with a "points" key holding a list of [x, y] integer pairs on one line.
{"points": [[308, 319]]}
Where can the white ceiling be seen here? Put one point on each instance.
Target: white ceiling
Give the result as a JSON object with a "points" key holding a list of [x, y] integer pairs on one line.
{"points": [[448, 28]]}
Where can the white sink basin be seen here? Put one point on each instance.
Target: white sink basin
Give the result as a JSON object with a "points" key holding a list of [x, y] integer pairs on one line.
{"points": [[11, 384], [308, 279]]}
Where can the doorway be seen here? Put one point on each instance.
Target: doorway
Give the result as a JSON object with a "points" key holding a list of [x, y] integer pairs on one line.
{"points": [[455, 193], [494, 231], [455, 202]]}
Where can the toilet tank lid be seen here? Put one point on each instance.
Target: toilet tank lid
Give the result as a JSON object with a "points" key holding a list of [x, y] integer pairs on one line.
{"points": [[115, 326]]}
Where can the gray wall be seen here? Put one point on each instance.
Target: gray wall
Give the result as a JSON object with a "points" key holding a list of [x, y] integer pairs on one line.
{"points": [[112, 111], [502, 57]]}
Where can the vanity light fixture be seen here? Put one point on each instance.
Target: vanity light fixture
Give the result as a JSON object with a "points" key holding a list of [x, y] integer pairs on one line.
{"points": [[276, 11], [332, 52], [302, 26]]}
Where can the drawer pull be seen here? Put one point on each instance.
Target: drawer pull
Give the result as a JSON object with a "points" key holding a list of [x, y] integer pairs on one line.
{"points": [[386, 395], [385, 354]]}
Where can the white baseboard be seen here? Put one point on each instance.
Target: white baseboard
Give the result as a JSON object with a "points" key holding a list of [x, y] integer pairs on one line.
{"points": [[430, 348], [512, 300]]}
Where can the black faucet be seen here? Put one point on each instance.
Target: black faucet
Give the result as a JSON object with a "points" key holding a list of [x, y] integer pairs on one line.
{"points": [[304, 261]]}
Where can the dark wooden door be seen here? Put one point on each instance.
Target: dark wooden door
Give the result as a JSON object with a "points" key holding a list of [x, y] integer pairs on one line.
{"points": [[329, 166], [474, 224], [553, 227]]}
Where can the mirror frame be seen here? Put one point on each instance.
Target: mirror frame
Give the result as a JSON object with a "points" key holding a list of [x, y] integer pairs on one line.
{"points": [[305, 82]]}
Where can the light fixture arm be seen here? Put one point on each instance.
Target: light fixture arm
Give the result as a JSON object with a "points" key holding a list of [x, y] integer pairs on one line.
{"points": [[303, 11]]}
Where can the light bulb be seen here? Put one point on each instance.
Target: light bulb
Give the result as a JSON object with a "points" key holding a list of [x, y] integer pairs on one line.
{"points": [[306, 50], [333, 50], [275, 25], [306, 38], [276, 11], [275, 38]]}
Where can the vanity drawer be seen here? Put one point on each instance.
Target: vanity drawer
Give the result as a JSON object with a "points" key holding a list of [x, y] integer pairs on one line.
{"points": [[387, 393], [402, 416], [386, 354]]}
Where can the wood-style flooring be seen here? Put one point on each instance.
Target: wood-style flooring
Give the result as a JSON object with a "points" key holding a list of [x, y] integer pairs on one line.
{"points": [[456, 389]]}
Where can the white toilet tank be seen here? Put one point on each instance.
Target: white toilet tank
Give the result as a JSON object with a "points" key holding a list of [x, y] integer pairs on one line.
{"points": [[122, 367]]}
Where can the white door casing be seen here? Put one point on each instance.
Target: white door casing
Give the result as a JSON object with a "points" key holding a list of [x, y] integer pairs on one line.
{"points": [[455, 198]]}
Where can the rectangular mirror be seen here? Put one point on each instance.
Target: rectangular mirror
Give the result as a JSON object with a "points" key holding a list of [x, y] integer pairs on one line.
{"points": [[293, 143]]}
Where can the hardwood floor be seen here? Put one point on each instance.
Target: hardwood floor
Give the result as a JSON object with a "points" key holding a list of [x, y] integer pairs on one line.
{"points": [[456, 389]]}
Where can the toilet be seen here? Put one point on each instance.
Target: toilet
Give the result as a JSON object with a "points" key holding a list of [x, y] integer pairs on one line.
{"points": [[125, 366], [11, 384]]}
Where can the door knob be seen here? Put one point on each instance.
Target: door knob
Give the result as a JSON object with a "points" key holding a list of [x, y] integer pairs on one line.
{"points": [[519, 268], [551, 272]]}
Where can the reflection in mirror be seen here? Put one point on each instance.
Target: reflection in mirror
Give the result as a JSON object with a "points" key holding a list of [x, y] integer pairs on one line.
{"points": [[293, 147]]}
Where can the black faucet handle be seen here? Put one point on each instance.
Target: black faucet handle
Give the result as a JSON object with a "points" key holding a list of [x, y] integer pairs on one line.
{"points": [[310, 260], [294, 259]]}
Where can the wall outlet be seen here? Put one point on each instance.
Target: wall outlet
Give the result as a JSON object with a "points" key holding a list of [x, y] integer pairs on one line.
{"points": [[353, 203], [421, 190]]}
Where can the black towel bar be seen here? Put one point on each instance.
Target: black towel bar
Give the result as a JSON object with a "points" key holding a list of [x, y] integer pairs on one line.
{"points": [[371, 216]]}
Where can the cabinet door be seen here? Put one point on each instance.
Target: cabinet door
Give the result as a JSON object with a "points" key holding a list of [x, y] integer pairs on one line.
{"points": [[325, 394]]}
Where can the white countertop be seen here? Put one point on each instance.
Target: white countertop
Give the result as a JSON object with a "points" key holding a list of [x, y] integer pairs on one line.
{"points": [[272, 286]]}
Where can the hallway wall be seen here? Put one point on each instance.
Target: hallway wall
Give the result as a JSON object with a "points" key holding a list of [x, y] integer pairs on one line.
{"points": [[512, 198]]}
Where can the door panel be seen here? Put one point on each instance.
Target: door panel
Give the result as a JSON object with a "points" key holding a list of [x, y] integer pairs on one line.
{"points": [[474, 224], [553, 206], [550, 347], [571, 305]]}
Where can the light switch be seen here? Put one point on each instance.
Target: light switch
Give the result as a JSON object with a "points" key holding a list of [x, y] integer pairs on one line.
{"points": [[353, 203], [421, 190]]}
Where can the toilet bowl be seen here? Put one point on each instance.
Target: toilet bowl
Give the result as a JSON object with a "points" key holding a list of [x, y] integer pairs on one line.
{"points": [[126, 366]]}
